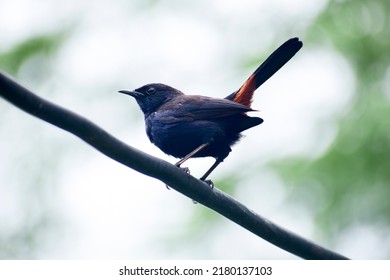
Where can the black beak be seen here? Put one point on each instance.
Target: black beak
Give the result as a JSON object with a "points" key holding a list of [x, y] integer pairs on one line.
{"points": [[134, 94]]}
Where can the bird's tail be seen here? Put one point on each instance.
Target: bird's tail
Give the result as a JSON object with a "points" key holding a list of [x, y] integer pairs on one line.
{"points": [[269, 67]]}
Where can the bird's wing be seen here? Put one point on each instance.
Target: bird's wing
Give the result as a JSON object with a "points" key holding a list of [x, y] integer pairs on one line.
{"points": [[216, 108], [193, 107]]}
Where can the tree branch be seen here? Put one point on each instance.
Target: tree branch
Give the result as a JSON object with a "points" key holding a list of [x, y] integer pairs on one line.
{"points": [[161, 170]]}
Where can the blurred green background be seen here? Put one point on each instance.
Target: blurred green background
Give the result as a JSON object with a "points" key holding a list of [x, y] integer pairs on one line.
{"points": [[320, 164]]}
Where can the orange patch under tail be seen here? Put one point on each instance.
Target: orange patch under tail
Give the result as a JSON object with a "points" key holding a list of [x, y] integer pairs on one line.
{"points": [[244, 95]]}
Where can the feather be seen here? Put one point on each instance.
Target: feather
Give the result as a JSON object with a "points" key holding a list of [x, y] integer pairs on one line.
{"points": [[269, 67]]}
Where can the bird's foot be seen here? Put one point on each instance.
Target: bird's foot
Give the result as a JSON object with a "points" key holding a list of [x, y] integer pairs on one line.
{"points": [[208, 182], [186, 170]]}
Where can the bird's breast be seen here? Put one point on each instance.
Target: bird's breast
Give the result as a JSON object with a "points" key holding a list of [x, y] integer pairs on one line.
{"points": [[180, 137]]}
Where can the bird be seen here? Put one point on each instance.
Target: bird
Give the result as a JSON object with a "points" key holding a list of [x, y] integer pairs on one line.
{"points": [[189, 126]]}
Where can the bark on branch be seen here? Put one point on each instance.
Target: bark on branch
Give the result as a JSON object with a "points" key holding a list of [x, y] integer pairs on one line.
{"points": [[161, 170]]}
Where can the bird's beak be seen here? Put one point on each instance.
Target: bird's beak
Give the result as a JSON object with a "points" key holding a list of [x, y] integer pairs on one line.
{"points": [[134, 94]]}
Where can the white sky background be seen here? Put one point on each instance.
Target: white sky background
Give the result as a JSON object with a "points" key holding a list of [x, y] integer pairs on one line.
{"points": [[109, 211]]}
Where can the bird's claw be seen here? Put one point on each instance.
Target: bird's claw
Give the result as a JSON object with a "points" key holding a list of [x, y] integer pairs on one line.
{"points": [[209, 182], [186, 170]]}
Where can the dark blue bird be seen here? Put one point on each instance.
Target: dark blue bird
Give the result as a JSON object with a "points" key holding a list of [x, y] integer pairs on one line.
{"points": [[187, 126]]}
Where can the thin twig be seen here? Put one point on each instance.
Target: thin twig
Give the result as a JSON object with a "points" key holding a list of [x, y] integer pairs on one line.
{"points": [[161, 170]]}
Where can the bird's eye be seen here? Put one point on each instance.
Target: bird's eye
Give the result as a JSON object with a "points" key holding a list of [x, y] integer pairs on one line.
{"points": [[151, 90]]}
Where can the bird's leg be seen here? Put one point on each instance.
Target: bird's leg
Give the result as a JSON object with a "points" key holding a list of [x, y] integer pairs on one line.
{"points": [[208, 172], [203, 178], [180, 162]]}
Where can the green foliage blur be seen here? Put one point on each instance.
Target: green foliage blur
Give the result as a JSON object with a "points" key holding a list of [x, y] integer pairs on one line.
{"points": [[21, 237], [41, 45], [349, 184]]}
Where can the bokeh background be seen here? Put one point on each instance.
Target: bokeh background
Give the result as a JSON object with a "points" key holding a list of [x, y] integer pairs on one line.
{"points": [[319, 165]]}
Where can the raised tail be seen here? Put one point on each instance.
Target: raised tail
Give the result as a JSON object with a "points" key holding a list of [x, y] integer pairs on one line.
{"points": [[269, 67]]}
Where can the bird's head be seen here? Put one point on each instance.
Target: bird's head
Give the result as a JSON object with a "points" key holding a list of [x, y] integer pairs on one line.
{"points": [[151, 96]]}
